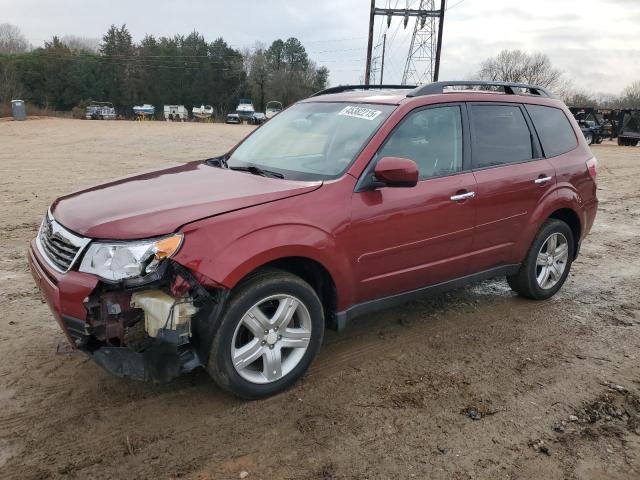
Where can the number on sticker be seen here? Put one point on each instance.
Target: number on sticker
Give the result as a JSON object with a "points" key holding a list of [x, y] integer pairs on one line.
{"points": [[360, 112]]}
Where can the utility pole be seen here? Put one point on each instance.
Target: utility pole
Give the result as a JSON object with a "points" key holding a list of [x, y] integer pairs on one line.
{"points": [[384, 46], [436, 69], [372, 16], [426, 11]]}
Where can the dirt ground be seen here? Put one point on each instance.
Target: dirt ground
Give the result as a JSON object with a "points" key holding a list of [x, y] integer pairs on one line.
{"points": [[476, 383]]}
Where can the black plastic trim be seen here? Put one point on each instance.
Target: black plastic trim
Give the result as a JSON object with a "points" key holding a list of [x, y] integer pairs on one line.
{"points": [[347, 88], [436, 88], [391, 301]]}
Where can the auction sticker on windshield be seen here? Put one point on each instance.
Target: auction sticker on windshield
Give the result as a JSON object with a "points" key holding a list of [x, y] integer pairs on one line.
{"points": [[360, 112]]}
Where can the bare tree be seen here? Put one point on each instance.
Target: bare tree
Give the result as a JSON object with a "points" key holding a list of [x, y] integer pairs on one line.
{"points": [[12, 40], [81, 43], [522, 67], [580, 98], [631, 95], [257, 69]]}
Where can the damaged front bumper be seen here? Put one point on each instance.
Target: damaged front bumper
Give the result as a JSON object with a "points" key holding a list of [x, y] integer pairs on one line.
{"points": [[150, 329]]}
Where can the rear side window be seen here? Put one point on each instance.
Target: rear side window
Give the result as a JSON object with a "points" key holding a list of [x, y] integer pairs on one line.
{"points": [[553, 127], [500, 135]]}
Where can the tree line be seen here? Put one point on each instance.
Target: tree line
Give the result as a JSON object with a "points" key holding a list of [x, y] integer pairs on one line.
{"points": [[67, 72], [536, 69]]}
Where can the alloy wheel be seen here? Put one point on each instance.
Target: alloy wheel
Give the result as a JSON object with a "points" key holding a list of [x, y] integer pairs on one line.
{"points": [[552, 260], [271, 339]]}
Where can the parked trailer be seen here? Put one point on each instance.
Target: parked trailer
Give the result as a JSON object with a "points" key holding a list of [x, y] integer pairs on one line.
{"points": [[177, 113], [628, 122], [100, 111]]}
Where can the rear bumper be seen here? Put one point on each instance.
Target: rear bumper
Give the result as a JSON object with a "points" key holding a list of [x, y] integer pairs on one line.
{"points": [[64, 293]]}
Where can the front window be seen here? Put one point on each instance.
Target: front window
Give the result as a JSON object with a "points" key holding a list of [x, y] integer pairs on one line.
{"points": [[311, 141], [432, 138]]}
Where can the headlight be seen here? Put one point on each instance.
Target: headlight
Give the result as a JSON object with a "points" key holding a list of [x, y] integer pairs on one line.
{"points": [[119, 260]]}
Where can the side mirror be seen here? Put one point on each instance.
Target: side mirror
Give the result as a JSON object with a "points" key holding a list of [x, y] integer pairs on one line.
{"points": [[396, 172]]}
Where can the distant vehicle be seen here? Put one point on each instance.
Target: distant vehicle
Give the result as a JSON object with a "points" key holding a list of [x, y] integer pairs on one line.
{"points": [[233, 118], [258, 118], [100, 111], [629, 132], [273, 108], [178, 113], [245, 109], [592, 133], [203, 112], [593, 125], [144, 110]]}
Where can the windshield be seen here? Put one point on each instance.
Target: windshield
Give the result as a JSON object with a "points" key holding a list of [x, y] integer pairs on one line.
{"points": [[311, 141]]}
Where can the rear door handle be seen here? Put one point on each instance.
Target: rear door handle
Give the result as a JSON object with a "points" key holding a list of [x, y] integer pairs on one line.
{"points": [[541, 180], [463, 196]]}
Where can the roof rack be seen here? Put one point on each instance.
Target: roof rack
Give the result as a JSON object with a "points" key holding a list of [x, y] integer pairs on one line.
{"points": [[438, 87], [347, 88]]}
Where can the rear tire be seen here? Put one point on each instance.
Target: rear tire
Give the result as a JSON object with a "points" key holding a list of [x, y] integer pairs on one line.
{"points": [[260, 350], [530, 281], [589, 138]]}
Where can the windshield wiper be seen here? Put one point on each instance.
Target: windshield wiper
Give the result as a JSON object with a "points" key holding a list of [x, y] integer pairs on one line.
{"points": [[258, 171]]}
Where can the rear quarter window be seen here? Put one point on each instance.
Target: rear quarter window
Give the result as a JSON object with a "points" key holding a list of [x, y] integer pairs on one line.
{"points": [[554, 130]]}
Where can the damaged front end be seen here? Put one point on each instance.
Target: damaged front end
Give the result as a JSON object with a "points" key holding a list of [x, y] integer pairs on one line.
{"points": [[152, 328]]}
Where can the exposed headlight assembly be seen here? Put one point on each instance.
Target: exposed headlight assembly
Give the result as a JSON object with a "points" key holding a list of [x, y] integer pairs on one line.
{"points": [[116, 261]]}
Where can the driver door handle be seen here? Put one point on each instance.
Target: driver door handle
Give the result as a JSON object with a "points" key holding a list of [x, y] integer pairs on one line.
{"points": [[463, 196], [541, 180]]}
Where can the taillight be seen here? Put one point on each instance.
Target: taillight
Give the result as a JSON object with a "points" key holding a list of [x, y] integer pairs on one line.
{"points": [[592, 166]]}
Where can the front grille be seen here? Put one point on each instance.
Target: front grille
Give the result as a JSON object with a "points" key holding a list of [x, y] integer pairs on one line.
{"points": [[60, 247]]}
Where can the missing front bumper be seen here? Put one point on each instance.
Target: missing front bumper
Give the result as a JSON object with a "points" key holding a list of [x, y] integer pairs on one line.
{"points": [[138, 333], [161, 362]]}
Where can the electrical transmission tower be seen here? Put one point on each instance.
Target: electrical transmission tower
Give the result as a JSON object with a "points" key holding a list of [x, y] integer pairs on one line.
{"points": [[423, 60], [422, 51]]}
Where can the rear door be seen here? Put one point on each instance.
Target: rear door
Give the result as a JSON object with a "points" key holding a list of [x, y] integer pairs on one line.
{"points": [[512, 178], [406, 238]]}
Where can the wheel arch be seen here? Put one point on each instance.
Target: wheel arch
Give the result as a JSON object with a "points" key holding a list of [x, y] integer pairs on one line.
{"points": [[564, 205], [311, 271], [571, 218]]}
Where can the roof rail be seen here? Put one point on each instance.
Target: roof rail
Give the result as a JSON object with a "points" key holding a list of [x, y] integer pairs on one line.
{"points": [[346, 88], [438, 87]]}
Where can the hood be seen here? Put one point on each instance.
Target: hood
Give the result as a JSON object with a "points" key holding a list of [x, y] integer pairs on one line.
{"points": [[161, 201]]}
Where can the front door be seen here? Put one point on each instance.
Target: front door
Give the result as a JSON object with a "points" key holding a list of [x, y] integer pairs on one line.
{"points": [[407, 238]]}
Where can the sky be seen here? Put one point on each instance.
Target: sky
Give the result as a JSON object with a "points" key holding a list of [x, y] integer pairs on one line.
{"points": [[595, 42]]}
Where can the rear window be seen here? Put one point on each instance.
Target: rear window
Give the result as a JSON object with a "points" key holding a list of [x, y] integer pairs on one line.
{"points": [[553, 127], [500, 135]]}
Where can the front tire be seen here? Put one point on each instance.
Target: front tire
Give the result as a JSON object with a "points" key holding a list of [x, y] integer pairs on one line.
{"points": [[547, 263], [268, 336]]}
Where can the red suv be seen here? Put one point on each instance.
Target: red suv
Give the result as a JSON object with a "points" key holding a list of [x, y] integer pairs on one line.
{"points": [[350, 201]]}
